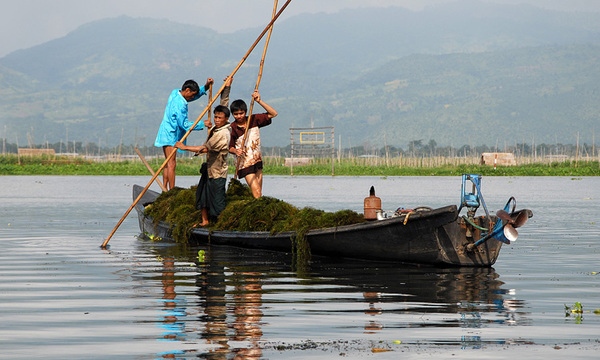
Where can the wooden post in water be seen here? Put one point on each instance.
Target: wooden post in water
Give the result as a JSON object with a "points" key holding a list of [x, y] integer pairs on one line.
{"points": [[577, 150]]}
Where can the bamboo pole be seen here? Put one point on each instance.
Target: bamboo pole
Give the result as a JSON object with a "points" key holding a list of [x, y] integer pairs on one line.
{"points": [[209, 103], [162, 186], [260, 71], [194, 125], [209, 113]]}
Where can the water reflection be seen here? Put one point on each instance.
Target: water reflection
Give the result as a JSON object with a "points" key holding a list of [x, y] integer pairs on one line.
{"points": [[172, 307], [232, 315], [238, 295], [248, 314], [211, 291]]}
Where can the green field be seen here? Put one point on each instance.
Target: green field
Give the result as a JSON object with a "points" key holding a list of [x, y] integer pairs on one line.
{"points": [[53, 165]]}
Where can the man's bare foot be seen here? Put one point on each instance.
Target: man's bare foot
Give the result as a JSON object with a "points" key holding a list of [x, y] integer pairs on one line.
{"points": [[200, 224]]}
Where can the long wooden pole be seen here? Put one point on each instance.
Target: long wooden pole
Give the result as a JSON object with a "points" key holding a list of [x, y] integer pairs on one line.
{"points": [[194, 125], [209, 104], [209, 112], [162, 186], [260, 71]]}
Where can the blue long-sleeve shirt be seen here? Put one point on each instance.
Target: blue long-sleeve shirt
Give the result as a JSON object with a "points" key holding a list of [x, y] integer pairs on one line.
{"points": [[175, 121]]}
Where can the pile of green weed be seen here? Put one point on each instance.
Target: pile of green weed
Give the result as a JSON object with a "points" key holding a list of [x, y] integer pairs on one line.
{"points": [[262, 214], [245, 213], [238, 191]]}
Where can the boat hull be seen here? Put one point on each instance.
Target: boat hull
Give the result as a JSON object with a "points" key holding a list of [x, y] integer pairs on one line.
{"points": [[436, 237]]}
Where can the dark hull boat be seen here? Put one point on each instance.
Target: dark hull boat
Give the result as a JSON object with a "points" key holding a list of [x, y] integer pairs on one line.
{"points": [[424, 236]]}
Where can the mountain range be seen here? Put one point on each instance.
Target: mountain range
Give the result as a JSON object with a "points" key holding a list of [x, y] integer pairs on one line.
{"points": [[460, 73]]}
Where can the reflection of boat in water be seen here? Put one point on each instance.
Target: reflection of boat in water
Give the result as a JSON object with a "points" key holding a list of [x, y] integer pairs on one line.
{"points": [[238, 294], [426, 236]]}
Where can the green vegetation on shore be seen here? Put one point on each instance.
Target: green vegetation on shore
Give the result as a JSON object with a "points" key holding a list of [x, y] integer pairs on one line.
{"points": [[55, 165]]}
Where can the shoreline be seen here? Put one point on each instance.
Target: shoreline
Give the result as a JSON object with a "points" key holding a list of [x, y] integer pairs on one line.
{"points": [[13, 165]]}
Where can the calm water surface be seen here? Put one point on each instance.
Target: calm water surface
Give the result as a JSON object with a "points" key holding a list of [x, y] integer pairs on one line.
{"points": [[61, 296]]}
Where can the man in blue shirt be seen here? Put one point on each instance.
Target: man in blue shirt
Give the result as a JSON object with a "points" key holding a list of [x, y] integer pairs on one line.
{"points": [[175, 124]]}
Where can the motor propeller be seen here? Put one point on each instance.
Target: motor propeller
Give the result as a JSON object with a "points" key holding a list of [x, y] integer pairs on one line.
{"points": [[512, 221], [505, 216], [516, 219], [508, 232], [520, 217]]}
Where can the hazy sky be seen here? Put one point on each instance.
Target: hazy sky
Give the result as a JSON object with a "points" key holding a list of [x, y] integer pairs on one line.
{"points": [[25, 23]]}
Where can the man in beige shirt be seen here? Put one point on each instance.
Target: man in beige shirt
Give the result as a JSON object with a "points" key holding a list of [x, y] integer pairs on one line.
{"points": [[210, 195]]}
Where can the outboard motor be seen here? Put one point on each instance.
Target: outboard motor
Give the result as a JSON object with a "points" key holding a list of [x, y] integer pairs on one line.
{"points": [[504, 229]]}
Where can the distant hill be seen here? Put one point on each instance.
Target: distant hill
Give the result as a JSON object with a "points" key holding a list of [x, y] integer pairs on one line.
{"points": [[462, 73], [542, 94]]}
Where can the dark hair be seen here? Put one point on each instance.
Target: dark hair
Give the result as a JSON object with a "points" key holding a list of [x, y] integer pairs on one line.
{"points": [[190, 84], [223, 109], [238, 105]]}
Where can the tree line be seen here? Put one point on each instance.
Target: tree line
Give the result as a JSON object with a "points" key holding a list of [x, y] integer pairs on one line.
{"points": [[415, 148]]}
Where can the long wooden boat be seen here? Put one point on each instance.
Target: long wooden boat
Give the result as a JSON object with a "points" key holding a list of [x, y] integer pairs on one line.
{"points": [[425, 236]]}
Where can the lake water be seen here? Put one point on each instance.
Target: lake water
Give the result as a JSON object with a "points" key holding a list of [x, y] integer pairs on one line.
{"points": [[62, 297]]}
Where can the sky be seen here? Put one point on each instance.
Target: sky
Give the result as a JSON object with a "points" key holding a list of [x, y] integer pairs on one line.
{"points": [[26, 23]]}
